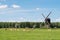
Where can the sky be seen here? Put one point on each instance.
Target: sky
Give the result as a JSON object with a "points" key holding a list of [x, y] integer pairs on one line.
{"points": [[29, 10]]}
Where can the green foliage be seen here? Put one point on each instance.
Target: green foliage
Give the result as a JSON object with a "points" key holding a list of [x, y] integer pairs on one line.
{"points": [[27, 25]]}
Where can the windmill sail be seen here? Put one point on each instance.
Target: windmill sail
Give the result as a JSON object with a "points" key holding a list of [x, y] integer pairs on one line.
{"points": [[43, 15], [48, 14]]}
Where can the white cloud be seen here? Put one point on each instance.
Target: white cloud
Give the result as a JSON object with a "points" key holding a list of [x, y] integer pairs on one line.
{"points": [[58, 20], [11, 21], [3, 6], [37, 8], [15, 6], [22, 19]]}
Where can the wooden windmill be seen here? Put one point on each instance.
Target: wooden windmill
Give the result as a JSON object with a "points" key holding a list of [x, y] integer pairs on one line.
{"points": [[47, 20]]}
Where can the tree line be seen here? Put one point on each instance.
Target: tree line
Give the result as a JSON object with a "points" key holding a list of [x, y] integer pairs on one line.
{"points": [[27, 25]]}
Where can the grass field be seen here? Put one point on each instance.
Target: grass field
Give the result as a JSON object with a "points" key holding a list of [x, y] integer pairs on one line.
{"points": [[29, 34]]}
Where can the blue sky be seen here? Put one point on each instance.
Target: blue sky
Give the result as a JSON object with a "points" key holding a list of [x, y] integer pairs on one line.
{"points": [[29, 10]]}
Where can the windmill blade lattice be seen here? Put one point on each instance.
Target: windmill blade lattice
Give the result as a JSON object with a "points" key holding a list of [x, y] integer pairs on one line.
{"points": [[43, 15], [48, 14]]}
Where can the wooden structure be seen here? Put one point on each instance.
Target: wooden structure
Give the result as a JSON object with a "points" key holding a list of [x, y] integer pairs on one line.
{"points": [[47, 20]]}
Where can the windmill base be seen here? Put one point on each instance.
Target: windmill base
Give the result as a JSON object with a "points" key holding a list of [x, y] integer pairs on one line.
{"points": [[47, 26]]}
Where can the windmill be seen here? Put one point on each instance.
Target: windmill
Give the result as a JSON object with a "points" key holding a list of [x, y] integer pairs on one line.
{"points": [[47, 20]]}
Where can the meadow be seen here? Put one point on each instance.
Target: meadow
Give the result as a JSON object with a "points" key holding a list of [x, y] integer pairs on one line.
{"points": [[29, 34]]}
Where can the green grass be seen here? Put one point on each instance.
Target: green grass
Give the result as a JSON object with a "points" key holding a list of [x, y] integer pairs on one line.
{"points": [[29, 34]]}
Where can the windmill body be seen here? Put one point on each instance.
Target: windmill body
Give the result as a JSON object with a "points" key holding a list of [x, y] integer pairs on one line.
{"points": [[47, 20]]}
